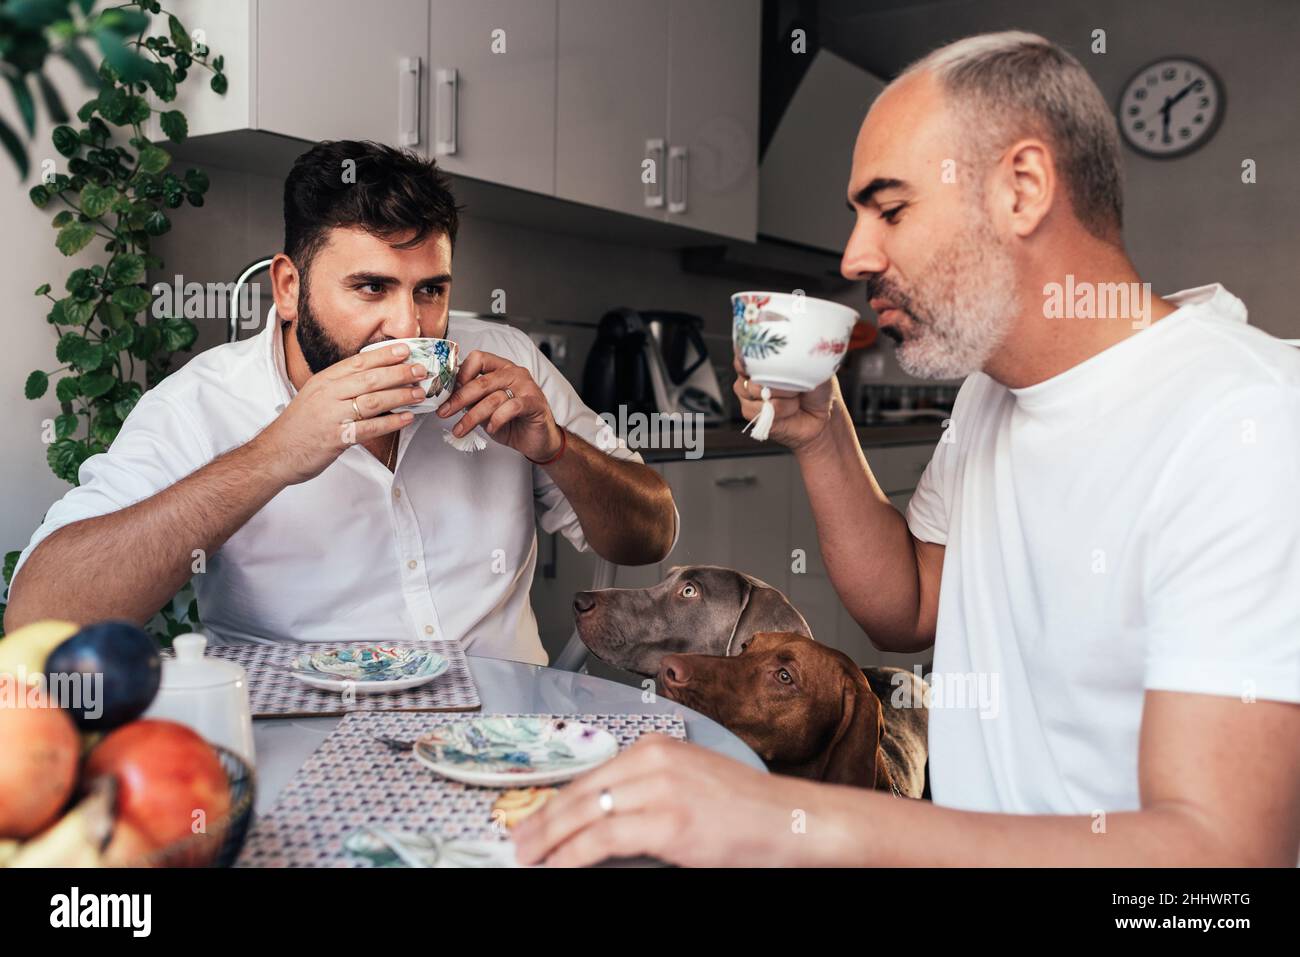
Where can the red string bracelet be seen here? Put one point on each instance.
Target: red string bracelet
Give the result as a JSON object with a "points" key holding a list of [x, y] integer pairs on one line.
{"points": [[564, 444]]}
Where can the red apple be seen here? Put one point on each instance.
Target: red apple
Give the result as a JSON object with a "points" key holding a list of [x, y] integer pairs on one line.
{"points": [[39, 750], [170, 786]]}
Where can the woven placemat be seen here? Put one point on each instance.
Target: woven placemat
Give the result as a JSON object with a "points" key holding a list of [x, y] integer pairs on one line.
{"points": [[273, 693], [352, 781]]}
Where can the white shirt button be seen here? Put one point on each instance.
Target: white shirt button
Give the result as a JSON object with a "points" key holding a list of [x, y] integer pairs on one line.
{"points": [[397, 493], [412, 563], [428, 629]]}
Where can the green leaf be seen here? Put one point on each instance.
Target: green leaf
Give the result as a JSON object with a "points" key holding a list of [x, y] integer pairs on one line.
{"points": [[123, 407], [74, 237], [130, 67], [153, 159], [65, 457], [105, 426], [35, 15], [146, 342], [219, 84], [177, 32], [65, 425], [23, 97], [90, 357], [36, 385], [69, 346], [126, 269], [15, 148], [39, 196], [95, 384], [196, 181], [66, 140], [81, 63], [178, 334], [174, 126], [61, 218], [53, 102], [11, 563], [67, 389], [43, 289], [164, 82], [157, 223], [77, 312], [131, 298], [96, 200]]}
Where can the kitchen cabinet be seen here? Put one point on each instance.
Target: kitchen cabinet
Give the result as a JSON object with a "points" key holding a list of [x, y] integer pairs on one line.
{"points": [[735, 512], [612, 104], [670, 82], [802, 190], [491, 90], [312, 69], [713, 87]]}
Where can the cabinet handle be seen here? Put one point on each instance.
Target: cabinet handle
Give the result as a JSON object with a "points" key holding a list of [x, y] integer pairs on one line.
{"points": [[408, 101], [446, 102], [677, 172], [735, 481], [654, 191]]}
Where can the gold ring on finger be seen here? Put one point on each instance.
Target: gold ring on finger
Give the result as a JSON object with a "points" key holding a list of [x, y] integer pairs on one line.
{"points": [[357, 416], [509, 394]]}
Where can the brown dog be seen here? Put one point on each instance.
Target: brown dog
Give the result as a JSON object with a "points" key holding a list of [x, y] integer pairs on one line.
{"points": [[807, 710]]}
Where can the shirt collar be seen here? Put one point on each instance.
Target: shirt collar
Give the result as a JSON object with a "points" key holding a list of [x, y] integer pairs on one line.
{"points": [[1086, 389], [281, 389]]}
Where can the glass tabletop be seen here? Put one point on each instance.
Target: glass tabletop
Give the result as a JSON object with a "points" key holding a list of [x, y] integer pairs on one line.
{"points": [[283, 744]]}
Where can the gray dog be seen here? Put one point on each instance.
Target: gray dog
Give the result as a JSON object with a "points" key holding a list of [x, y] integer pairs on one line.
{"points": [[710, 610]]}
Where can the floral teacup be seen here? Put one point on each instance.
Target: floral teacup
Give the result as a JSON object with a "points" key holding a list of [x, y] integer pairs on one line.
{"points": [[440, 357]]}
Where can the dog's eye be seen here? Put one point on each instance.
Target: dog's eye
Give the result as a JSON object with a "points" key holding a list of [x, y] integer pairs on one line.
{"points": [[689, 590], [783, 676]]}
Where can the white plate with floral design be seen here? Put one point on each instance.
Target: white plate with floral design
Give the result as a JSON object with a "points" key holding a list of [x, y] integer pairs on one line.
{"points": [[514, 752], [374, 669]]}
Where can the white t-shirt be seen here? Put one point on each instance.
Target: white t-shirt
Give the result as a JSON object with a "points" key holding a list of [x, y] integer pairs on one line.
{"points": [[1132, 523], [442, 550]]}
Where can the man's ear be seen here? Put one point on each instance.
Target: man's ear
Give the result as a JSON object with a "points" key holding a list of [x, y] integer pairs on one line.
{"points": [[853, 756], [284, 287], [766, 609]]}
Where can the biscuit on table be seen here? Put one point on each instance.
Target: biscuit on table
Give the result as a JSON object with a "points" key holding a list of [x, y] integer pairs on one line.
{"points": [[514, 805]]}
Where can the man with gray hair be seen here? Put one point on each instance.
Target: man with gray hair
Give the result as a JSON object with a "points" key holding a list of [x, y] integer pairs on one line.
{"points": [[1108, 527]]}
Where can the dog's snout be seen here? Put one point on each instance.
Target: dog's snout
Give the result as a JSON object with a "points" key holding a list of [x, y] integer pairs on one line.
{"points": [[584, 601], [674, 672]]}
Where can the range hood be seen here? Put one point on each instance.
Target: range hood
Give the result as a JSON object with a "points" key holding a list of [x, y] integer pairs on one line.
{"points": [[803, 175]]}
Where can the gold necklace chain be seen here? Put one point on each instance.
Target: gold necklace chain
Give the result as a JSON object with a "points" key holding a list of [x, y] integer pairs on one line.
{"points": [[388, 463]]}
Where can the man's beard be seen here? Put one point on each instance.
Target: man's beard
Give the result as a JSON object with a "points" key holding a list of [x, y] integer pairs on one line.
{"points": [[961, 308], [319, 349]]}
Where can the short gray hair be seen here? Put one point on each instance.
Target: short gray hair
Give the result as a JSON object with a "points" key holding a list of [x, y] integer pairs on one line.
{"points": [[1006, 85]]}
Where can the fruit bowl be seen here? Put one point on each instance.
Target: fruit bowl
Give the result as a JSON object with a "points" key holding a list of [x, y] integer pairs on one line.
{"points": [[224, 839]]}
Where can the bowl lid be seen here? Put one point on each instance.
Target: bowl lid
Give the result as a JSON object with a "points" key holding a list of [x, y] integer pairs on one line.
{"points": [[191, 669]]}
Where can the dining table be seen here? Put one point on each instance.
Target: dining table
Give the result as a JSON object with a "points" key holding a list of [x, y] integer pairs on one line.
{"points": [[504, 687]]}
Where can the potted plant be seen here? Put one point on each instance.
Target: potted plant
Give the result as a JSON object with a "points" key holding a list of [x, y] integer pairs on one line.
{"points": [[109, 346]]}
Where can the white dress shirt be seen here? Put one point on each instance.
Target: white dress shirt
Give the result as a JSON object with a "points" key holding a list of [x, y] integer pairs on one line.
{"points": [[442, 549]]}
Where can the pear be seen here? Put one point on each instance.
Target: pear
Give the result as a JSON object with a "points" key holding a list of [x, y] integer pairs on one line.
{"points": [[23, 652]]}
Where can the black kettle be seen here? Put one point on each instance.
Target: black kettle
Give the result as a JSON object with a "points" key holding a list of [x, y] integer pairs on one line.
{"points": [[617, 372]]}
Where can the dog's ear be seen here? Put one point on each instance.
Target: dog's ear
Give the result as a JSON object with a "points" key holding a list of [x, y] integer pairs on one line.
{"points": [[766, 609], [853, 756]]}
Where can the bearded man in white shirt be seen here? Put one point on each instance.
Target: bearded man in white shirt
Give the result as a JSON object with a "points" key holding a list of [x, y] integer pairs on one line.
{"points": [[1107, 539], [322, 514]]}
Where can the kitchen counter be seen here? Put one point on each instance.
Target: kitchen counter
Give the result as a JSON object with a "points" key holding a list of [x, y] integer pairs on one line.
{"points": [[726, 441]]}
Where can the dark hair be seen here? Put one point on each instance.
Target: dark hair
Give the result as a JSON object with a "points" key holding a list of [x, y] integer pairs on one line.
{"points": [[387, 192]]}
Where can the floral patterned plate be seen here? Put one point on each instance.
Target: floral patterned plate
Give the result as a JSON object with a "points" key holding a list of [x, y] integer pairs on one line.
{"points": [[513, 752], [368, 670]]}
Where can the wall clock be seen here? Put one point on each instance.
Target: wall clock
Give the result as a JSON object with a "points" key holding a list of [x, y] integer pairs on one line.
{"points": [[1170, 107]]}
